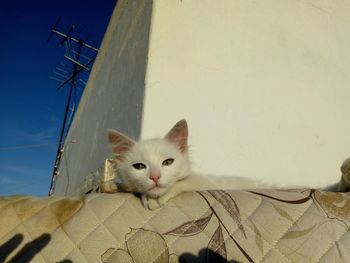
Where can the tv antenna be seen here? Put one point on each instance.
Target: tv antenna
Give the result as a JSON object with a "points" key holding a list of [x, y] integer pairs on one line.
{"points": [[73, 73]]}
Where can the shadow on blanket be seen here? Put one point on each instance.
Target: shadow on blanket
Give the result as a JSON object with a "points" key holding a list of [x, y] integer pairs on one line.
{"points": [[27, 253], [204, 255]]}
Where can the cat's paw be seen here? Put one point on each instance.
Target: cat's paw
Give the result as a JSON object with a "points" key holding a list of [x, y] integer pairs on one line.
{"points": [[152, 203]]}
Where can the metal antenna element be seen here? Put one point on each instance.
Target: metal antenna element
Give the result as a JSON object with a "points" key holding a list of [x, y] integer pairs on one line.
{"points": [[69, 73]]}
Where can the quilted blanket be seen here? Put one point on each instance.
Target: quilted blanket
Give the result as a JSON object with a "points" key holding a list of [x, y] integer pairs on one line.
{"points": [[209, 226]]}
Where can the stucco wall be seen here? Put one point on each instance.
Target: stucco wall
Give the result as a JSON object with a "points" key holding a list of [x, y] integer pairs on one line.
{"points": [[113, 97], [264, 85]]}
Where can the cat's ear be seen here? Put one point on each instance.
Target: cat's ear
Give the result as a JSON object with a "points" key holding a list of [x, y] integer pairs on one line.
{"points": [[120, 142], [178, 135]]}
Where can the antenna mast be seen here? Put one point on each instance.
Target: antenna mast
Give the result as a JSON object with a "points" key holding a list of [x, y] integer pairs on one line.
{"points": [[69, 75]]}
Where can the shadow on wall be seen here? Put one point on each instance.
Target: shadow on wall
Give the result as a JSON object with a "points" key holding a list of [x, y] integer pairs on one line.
{"points": [[204, 255], [27, 253]]}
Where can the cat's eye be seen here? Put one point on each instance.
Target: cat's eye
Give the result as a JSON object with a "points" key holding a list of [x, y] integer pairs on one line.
{"points": [[168, 162], [139, 166]]}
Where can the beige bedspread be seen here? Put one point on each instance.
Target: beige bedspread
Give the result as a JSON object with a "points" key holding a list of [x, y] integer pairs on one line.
{"points": [[210, 226]]}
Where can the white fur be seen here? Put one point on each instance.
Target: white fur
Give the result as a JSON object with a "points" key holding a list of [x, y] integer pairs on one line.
{"points": [[174, 178], [152, 153]]}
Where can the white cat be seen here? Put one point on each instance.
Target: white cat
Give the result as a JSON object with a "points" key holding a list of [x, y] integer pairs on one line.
{"points": [[159, 169]]}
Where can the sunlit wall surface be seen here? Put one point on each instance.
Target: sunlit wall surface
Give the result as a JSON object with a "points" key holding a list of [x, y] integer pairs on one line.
{"points": [[264, 86]]}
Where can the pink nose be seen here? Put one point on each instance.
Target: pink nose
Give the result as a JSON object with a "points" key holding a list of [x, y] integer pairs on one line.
{"points": [[155, 178]]}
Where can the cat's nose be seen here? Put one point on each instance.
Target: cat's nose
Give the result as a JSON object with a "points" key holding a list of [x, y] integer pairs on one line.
{"points": [[155, 178]]}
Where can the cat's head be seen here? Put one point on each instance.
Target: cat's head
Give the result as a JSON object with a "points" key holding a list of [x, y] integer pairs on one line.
{"points": [[151, 167]]}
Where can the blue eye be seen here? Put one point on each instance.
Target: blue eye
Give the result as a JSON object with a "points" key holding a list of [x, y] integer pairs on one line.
{"points": [[168, 162], [139, 166]]}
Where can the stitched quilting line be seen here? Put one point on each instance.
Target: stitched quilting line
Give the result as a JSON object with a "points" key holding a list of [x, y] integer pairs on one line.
{"points": [[177, 237], [245, 220], [141, 215], [246, 225], [57, 199], [69, 255], [60, 227], [99, 220], [72, 242], [100, 196], [273, 245], [169, 243], [21, 222], [190, 218], [230, 234], [102, 222], [14, 202], [181, 210], [205, 231], [31, 239], [305, 212], [28, 234], [332, 244], [76, 244]]}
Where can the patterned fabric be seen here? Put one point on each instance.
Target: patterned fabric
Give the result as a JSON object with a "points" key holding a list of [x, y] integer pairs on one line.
{"points": [[208, 226]]}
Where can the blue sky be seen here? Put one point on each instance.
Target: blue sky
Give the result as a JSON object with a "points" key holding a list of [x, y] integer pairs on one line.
{"points": [[31, 107]]}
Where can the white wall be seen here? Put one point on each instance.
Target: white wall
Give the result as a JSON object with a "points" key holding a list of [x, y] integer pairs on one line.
{"points": [[113, 97], [264, 85]]}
